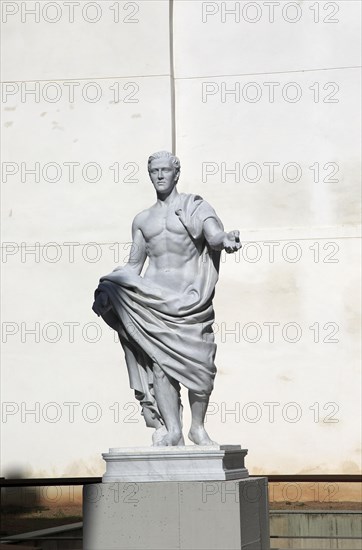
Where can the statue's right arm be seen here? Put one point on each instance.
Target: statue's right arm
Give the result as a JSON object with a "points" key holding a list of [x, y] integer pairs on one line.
{"points": [[138, 253], [135, 264]]}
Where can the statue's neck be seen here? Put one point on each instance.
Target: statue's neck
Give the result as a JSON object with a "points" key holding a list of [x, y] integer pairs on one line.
{"points": [[167, 199]]}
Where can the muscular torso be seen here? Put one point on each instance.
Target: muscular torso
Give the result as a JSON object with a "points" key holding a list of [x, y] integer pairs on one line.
{"points": [[173, 255]]}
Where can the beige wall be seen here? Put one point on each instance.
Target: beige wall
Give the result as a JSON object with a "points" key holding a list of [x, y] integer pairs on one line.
{"points": [[313, 383]]}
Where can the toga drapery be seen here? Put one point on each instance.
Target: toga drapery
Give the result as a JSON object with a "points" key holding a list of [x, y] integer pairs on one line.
{"points": [[158, 325]]}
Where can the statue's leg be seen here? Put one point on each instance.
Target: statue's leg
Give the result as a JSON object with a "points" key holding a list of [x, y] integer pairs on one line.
{"points": [[197, 433], [167, 395]]}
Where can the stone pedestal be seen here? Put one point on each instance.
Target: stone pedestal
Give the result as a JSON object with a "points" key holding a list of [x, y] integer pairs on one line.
{"points": [[188, 463], [170, 498]]}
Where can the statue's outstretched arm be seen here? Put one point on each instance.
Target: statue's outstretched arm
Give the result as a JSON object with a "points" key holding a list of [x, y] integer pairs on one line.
{"points": [[138, 253], [219, 239]]}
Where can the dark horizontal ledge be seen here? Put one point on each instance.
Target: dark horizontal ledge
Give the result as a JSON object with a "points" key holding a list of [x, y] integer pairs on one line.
{"points": [[48, 481], [60, 481], [331, 478]]}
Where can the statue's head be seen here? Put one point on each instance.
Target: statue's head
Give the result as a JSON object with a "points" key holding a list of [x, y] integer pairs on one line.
{"points": [[164, 170], [175, 161]]}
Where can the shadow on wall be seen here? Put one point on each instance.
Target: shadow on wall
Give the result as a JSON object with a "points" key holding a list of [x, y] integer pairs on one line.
{"points": [[17, 500]]}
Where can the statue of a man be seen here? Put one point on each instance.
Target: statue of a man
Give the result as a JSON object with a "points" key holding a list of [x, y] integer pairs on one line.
{"points": [[164, 317]]}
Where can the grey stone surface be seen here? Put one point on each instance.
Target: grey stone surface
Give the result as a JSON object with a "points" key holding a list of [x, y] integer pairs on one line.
{"points": [[164, 315], [218, 515], [189, 463], [344, 525]]}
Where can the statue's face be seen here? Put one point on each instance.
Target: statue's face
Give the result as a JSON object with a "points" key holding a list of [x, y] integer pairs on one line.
{"points": [[163, 175]]}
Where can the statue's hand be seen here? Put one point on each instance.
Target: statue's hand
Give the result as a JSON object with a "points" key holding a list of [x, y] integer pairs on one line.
{"points": [[231, 242]]}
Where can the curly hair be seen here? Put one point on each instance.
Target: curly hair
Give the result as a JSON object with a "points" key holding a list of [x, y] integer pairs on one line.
{"points": [[165, 154]]}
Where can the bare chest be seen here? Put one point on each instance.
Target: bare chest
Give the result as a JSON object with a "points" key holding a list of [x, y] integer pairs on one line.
{"points": [[162, 224]]}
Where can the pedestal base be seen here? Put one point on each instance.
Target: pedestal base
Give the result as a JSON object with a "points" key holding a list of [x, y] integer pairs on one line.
{"points": [[209, 515], [187, 463]]}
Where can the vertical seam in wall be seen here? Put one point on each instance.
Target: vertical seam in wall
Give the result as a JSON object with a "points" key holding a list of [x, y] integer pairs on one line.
{"points": [[172, 78]]}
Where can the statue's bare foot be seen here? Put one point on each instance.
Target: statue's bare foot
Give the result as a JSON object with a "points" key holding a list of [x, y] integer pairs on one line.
{"points": [[171, 439], [199, 436]]}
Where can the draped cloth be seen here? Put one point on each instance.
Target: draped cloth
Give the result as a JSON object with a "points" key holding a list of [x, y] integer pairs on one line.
{"points": [[158, 325]]}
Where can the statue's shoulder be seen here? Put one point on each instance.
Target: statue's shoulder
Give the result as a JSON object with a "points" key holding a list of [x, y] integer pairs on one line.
{"points": [[194, 202], [195, 207], [141, 217], [190, 198]]}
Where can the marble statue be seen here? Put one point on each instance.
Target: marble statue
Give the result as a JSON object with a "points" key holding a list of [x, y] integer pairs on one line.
{"points": [[164, 316]]}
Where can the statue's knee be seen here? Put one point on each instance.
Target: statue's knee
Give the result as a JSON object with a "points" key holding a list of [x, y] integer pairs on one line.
{"points": [[202, 395]]}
